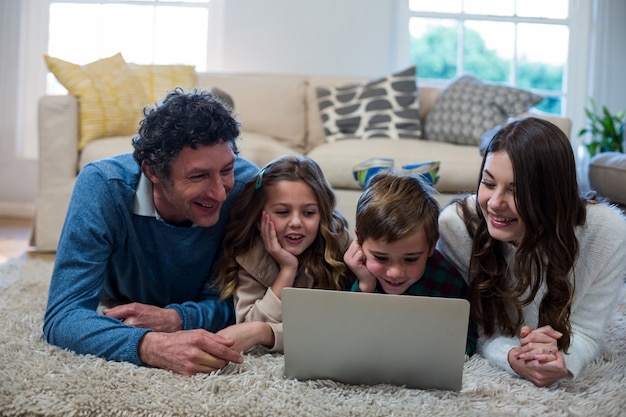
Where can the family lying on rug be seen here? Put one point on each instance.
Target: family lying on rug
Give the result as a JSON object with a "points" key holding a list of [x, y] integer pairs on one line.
{"points": [[540, 265]]}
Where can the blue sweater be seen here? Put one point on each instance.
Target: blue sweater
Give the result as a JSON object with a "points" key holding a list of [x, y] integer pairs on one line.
{"points": [[105, 250]]}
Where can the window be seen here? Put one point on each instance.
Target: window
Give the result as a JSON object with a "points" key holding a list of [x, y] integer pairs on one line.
{"points": [[144, 31], [519, 42]]}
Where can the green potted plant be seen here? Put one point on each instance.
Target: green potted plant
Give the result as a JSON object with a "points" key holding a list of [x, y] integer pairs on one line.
{"points": [[606, 129]]}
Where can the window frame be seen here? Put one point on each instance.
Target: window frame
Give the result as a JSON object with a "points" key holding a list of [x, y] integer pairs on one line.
{"points": [[574, 90]]}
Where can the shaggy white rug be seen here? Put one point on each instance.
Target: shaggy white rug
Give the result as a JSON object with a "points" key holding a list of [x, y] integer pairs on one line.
{"points": [[37, 379]]}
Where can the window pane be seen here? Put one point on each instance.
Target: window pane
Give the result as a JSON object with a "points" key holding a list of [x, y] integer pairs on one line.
{"points": [[551, 9], [444, 6], [550, 105], [488, 51], [144, 34], [73, 29], [490, 7], [184, 42], [542, 56], [434, 44]]}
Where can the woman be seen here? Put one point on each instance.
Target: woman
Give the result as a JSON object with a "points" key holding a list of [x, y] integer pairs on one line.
{"points": [[543, 264]]}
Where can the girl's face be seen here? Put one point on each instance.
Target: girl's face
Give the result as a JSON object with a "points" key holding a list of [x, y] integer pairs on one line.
{"points": [[400, 264], [295, 213], [496, 197]]}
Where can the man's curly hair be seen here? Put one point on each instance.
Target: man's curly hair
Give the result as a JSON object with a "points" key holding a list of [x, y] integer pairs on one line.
{"points": [[182, 119]]}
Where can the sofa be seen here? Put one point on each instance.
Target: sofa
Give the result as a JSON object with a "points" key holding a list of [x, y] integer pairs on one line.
{"points": [[607, 177], [280, 114]]}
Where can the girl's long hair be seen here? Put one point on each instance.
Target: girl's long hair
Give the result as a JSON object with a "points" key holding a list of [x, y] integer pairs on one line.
{"points": [[323, 260], [550, 206]]}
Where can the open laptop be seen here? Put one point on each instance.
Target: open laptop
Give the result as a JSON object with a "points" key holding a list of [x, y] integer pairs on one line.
{"points": [[363, 338]]}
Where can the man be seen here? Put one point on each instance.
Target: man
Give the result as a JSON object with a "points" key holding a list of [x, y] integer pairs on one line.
{"points": [[141, 235]]}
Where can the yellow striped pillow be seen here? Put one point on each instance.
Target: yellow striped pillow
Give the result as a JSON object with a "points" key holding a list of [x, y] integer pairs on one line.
{"points": [[158, 80], [110, 96]]}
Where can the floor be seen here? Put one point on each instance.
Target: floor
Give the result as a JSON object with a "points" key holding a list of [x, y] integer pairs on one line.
{"points": [[15, 238]]}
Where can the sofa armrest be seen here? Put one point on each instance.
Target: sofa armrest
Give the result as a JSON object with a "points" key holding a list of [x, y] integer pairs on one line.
{"points": [[58, 140], [58, 157]]}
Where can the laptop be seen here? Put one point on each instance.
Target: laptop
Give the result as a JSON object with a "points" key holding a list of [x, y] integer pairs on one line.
{"points": [[364, 338]]}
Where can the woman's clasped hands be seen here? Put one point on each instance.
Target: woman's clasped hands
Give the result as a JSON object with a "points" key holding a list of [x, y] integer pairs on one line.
{"points": [[538, 358]]}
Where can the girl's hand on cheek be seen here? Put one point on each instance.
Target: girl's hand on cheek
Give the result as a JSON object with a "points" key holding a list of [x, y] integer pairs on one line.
{"points": [[273, 246]]}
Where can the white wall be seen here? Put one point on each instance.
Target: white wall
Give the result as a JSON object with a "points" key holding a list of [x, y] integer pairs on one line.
{"points": [[329, 37], [18, 177], [326, 37], [607, 81]]}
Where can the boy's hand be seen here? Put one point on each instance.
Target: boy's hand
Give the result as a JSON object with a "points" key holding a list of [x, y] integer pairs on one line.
{"points": [[355, 260]]}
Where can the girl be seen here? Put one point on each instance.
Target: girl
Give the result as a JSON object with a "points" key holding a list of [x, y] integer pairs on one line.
{"points": [[284, 232], [544, 265]]}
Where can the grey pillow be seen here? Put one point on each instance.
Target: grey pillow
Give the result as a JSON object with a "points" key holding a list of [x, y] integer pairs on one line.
{"points": [[468, 107], [226, 99], [384, 108]]}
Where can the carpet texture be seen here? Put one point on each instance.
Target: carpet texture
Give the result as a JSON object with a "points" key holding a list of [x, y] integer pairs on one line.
{"points": [[37, 379]]}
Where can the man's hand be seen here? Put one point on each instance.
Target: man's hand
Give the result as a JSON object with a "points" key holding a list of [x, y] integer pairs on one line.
{"points": [[147, 317], [538, 358], [355, 260], [248, 334], [187, 352]]}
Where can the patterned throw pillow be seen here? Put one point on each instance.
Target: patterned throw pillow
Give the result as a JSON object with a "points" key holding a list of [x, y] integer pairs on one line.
{"points": [[158, 80], [384, 108], [110, 96], [469, 107]]}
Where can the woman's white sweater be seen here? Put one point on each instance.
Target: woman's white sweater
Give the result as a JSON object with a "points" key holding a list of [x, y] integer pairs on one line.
{"points": [[598, 275]]}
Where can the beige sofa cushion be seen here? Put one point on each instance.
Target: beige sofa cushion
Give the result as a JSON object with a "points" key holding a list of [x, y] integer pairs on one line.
{"points": [[261, 149], [255, 147], [282, 100], [459, 170], [104, 148]]}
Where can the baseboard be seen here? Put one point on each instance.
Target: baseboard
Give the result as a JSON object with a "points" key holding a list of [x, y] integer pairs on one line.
{"points": [[18, 210]]}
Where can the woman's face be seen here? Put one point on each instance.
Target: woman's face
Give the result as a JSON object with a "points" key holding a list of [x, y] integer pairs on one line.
{"points": [[496, 197]]}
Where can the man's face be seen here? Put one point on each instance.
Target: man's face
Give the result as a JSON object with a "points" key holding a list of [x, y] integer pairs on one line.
{"points": [[200, 180], [400, 264]]}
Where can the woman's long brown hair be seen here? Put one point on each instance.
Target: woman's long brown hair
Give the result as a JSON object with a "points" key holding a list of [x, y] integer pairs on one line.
{"points": [[550, 206]]}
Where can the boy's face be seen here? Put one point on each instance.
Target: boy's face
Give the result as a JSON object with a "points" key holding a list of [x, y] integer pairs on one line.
{"points": [[400, 264]]}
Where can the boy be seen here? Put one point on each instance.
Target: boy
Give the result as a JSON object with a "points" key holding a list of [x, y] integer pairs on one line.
{"points": [[396, 230]]}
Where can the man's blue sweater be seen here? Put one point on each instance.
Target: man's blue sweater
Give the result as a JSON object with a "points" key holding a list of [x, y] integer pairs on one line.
{"points": [[106, 250]]}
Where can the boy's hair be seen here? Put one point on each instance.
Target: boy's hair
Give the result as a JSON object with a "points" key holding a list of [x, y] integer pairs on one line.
{"points": [[323, 259], [393, 207], [182, 119]]}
